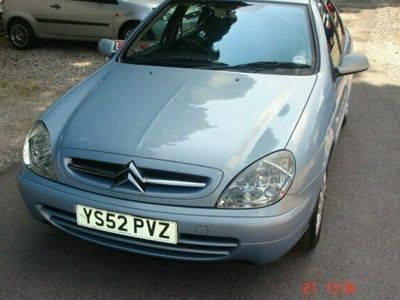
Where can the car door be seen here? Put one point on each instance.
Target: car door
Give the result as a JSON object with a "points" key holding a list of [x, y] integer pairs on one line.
{"points": [[345, 43], [82, 19], [339, 44], [39, 11]]}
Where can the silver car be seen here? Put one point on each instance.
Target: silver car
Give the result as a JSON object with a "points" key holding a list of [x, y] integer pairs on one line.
{"points": [[87, 20], [206, 137]]}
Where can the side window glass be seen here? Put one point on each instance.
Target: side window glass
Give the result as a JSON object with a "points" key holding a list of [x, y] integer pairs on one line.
{"points": [[336, 19], [190, 20], [154, 36], [330, 34]]}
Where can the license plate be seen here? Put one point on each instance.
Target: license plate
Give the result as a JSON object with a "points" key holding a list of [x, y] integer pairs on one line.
{"points": [[113, 222]]}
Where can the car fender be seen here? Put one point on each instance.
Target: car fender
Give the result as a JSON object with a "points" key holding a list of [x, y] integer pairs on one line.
{"points": [[314, 136], [21, 14]]}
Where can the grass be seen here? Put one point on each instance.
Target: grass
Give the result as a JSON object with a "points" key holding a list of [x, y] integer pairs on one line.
{"points": [[20, 89]]}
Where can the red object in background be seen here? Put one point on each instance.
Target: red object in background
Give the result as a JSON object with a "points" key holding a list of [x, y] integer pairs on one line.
{"points": [[340, 289], [118, 44], [309, 289], [348, 289], [329, 7], [333, 288]]}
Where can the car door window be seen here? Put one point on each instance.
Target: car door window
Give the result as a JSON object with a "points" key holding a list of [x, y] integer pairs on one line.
{"points": [[189, 21], [338, 24], [154, 36], [330, 32]]}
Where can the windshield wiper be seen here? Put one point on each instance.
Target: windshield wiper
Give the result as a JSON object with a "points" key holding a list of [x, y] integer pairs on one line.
{"points": [[265, 65], [178, 61], [195, 62]]}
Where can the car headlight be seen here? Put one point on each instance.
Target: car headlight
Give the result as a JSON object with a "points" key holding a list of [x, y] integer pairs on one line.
{"points": [[262, 184], [37, 153]]}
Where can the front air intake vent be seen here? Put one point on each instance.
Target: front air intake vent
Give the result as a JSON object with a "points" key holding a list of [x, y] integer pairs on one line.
{"points": [[130, 177], [192, 247]]}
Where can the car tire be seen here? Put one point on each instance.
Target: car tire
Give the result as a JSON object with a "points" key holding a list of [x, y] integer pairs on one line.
{"points": [[311, 236], [127, 30], [21, 35]]}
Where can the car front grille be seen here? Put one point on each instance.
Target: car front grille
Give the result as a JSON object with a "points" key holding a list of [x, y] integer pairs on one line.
{"points": [[192, 247], [130, 177]]}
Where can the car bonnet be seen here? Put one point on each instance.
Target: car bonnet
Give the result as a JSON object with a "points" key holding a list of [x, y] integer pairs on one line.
{"points": [[218, 119]]}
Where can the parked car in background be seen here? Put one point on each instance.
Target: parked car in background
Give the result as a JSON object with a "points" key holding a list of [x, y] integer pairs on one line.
{"points": [[202, 139], [87, 20]]}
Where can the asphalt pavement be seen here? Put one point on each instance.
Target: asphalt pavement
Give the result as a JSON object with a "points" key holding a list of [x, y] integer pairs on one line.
{"points": [[358, 256]]}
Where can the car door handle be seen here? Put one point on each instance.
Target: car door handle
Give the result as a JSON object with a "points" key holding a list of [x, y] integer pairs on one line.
{"points": [[55, 6]]}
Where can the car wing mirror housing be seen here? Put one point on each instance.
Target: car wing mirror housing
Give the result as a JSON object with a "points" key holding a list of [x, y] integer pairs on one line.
{"points": [[107, 47], [352, 64]]}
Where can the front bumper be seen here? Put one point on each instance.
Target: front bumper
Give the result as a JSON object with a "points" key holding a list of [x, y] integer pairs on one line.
{"points": [[205, 234]]}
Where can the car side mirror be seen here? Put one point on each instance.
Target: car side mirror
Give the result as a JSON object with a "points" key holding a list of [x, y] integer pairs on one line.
{"points": [[106, 47], [352, 64]]}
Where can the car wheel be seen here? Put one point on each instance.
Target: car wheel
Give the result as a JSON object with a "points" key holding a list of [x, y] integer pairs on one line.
{"points": [[21, 35], [127, 30], [310, 238]]}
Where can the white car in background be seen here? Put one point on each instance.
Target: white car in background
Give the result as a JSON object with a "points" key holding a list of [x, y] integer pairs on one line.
{"points": [[87, 20]]}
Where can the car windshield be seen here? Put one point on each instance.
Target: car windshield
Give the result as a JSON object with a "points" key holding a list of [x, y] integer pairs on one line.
{"points": [[231, 35]]}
